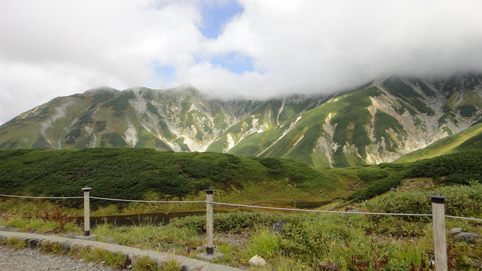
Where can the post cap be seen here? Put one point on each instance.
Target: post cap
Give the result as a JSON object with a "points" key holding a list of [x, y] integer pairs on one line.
{"points": [[438, 198], [209, 191], [85, 189]]}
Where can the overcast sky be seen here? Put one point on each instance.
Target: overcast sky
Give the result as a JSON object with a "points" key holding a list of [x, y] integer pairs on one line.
{"points": [[227, 48]]}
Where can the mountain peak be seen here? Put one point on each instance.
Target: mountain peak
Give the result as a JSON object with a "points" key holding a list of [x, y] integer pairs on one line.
{"points": [[101, 89]]}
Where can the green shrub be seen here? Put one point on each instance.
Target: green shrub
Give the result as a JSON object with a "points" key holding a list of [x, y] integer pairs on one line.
{"points": [[145, 264], [15, 243], [464, 201], [235, 221]]}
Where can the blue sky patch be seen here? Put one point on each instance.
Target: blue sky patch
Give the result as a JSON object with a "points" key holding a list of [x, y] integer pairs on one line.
{"points": [[216, 15], [234, 62], [166, 73]]}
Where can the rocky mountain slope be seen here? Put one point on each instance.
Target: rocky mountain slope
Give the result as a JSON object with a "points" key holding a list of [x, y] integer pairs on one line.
{"points": [[377, 122]]}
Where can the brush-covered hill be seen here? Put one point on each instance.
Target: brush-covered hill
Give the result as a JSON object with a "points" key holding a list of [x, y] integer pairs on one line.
{"points": [[457, 168], [375, 123], [127, 173], [135, 174]]}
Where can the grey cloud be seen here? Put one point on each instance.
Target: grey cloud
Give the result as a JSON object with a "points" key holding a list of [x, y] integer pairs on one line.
{"points": [[63, 47]]}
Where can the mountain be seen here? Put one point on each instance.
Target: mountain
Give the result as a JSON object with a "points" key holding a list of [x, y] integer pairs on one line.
{"points": [[468, 139], [378, 122]]}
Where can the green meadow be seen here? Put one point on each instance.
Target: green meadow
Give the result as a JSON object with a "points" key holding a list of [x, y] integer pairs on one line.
{"points": [[308, 241]]}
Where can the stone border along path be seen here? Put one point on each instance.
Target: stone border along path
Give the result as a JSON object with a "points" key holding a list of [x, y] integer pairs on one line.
{"points": [[186, 263]]}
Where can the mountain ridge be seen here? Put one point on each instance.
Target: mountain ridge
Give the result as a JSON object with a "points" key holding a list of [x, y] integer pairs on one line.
{"points": [[374, 123]]}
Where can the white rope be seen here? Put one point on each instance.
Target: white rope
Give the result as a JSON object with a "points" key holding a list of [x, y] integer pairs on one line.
{"points": [[318, 211], [466, 218], [241, 205], [148, 201], [30, 197]]}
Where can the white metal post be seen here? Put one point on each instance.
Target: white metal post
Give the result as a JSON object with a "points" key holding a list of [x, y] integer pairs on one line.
{"points": [[209, 222], [86, 211], [439, 234]]}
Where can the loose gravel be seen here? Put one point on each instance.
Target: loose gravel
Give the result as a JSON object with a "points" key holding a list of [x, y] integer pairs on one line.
{"points": [[30, 259]]}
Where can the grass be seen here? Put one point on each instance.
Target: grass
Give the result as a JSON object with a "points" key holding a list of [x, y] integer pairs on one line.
{"points": [[381, 243], [15, 243], [97, 255]]}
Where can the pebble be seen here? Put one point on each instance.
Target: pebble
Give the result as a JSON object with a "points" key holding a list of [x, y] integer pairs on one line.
{"points": [[30, 259]]}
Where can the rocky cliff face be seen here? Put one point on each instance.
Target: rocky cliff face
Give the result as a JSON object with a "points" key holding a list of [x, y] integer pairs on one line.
{"points": [[375, 123]]}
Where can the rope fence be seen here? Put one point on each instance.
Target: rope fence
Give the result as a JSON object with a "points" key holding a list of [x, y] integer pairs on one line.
{"points": [[438, 215], [244, 206], [317, 211], [151, 201], [29, 197]]}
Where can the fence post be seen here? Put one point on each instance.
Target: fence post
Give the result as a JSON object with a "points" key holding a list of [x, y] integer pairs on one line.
{"points": [[439, 234], [209, 255], [209, 222], [86, 211]]}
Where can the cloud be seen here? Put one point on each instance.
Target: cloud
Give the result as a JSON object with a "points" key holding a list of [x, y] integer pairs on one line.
{"points": [[225, 48]]}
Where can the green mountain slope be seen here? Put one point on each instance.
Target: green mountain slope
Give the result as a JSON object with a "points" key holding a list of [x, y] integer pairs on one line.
{"points": [[375, 123], [469, 139]]}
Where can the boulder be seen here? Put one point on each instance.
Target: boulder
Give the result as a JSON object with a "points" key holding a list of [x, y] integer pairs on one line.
{"points": [[455, 231], [329, 266], [257, 260], [278, 226], [466, 237]]}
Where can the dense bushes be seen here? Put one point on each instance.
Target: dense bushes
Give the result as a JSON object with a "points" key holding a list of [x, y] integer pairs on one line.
{"points": [[463, 201], [300, 174], [234, 222], [456, 168], [131, 173], [118, 173], [377, 188]]}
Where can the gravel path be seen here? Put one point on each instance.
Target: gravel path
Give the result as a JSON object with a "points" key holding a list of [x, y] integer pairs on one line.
{"points": [[29, 259]]}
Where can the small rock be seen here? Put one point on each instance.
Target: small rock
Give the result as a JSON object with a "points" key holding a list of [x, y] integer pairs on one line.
{"points": [[411, 241], [393, 189], [455, 231], [257, 260], [278, 226], [466, 237], [326, 265], [50, 230]]}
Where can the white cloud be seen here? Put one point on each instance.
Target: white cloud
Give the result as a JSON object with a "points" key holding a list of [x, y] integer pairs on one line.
{"points": [[55, 48]]}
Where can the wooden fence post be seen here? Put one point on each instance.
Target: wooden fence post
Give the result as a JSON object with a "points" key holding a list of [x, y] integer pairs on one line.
{"points": [[209, 222], [210, 254], [86, 211], [439, 234]]}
